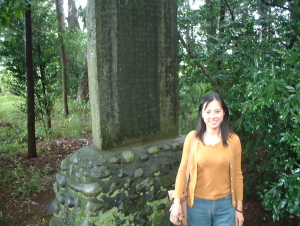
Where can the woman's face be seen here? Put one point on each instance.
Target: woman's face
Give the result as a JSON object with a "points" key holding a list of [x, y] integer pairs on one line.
{"points": [[213, 114]]}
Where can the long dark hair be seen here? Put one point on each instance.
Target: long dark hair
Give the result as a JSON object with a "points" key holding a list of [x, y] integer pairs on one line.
{"points": [[226, 133]]}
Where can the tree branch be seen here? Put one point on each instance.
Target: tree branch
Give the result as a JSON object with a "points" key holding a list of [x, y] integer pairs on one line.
{"points": [[274, 4], [230, 11], [199, 64], [192, 55], [289, 46]]}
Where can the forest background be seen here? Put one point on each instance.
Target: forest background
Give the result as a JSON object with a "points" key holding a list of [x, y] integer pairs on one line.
{"points": [[246, 50]]}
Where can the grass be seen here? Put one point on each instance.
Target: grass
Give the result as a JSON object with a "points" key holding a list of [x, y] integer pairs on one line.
{"points": [[9, 111], [76, 124], [14, 175]]}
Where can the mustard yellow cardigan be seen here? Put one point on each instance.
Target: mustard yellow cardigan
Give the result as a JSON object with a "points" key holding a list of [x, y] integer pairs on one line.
{"points": [[236, 175]]}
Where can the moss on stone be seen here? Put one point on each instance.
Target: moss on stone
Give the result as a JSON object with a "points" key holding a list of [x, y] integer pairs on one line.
{"points": [[125, 205], [112, 217], [157, 174], [106, 179], [157, 216]]}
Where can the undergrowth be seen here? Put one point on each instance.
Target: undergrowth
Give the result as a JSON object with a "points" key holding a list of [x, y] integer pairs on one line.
{"points": [[14, 175]]}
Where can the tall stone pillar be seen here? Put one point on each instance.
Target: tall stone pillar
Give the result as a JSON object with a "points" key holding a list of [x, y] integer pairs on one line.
{"points": [[132, 66]]}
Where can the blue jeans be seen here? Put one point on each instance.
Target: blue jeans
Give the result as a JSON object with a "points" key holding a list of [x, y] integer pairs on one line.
{"points": [[212, 212]]}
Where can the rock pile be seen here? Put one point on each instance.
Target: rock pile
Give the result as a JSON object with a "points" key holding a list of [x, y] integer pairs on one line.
{"points": [[126, 186]]}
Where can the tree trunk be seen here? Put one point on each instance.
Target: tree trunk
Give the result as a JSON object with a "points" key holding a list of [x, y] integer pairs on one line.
{"points": [[264, 26], [222, 16], [83, 91], [61, 27], [210, 26], [221, 31], [72, 15], [30, 86], [46, 104]]}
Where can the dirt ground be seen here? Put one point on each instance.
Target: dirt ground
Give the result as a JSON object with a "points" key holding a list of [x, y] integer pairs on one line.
{"points": [[35, 210]]}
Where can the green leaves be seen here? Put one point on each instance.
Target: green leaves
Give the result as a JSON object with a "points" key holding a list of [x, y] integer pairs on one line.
{"points": [[283, 197], [252, 55], [10, 10], [46, 61], [271, 113]]}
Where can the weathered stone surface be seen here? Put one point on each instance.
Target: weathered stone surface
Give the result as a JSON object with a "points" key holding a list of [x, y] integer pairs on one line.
{"points": [[71, 168], [114, 160], [89, 189], [122, 173], [154, 168], [173, 146], [64, 165], [87, 155], [144, 157], [154, 150], [61, 179], [131, 195], [49, 209], [166, 181], [93, 206], [98, 172], [74, 158], [176, 146], [56, 187], [79, 173], [145, 185], [61, 199], [160, 195], [150, 196], [70, 202], [131, 206], [85, 222], [132, 68], [121, 206], [77, 202], [112, 188], [56, 205], [55, 221], [128, 183], [142, 216], [147, 210], [128, 156], [138, 173]]}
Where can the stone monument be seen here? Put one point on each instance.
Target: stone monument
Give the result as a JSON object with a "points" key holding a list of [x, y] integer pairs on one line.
{"points": [[132, 66], [132, 63]]}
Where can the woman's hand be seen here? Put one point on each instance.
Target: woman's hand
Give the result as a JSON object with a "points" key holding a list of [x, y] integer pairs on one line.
{"points": [[239, 218], [176, 211]]}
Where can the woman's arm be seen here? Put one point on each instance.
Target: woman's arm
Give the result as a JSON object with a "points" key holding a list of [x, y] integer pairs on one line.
{"points": [[181, 175], [178, 193], [239, 185], [238, 177], [239, 216]]}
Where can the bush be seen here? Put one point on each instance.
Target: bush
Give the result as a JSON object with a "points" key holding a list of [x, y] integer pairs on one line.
{"points": [[269, 124]]}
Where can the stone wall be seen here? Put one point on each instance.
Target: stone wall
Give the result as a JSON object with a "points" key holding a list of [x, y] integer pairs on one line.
{"points": [[125, 186]]}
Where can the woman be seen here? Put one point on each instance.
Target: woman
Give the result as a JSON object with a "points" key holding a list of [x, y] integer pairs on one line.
{"points": [[215, 189]]}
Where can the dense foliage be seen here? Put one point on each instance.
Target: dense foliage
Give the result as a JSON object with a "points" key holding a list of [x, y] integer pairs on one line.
{"points": [[248, 51], [46, 52], [10, 9], [45, 48]]}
